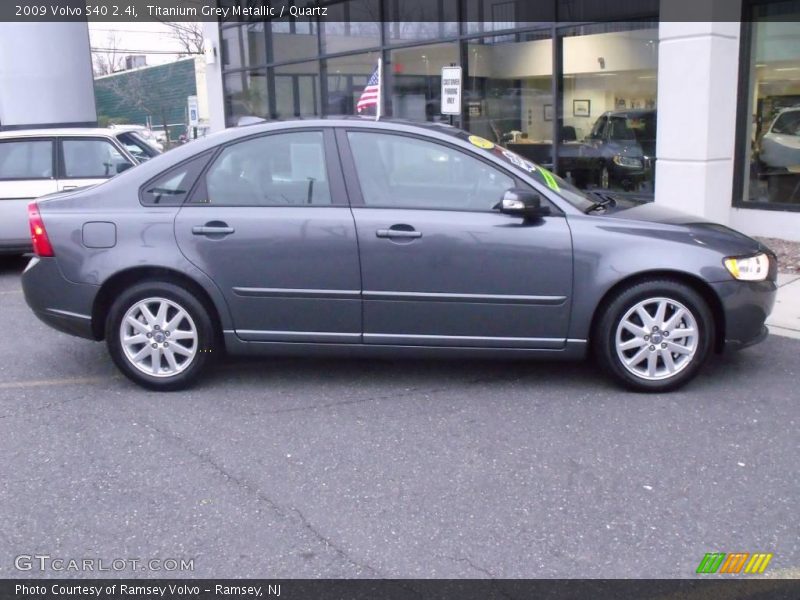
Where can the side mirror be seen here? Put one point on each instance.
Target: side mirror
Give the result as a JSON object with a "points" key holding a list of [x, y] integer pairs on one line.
{"points": [[522, 203], [123, 167]]}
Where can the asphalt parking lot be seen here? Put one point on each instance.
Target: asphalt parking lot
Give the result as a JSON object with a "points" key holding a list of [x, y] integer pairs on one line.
{"points": [[353, 468]]}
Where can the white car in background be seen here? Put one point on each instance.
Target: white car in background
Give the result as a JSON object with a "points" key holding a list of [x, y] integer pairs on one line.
{"points": [[780, 146], [42, 161]]}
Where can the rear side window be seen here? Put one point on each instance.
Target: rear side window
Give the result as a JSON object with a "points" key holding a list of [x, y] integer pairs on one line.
{"points": [[26, 159], [172, 187], [92, 158], [281, 169]]}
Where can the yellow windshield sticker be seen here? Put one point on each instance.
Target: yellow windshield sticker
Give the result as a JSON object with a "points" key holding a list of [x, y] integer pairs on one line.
{"points": [[481, 142], [549, 179]]}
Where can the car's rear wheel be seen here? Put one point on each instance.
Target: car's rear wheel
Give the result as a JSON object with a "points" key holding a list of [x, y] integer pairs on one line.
{"points": [[655, 335], [159, 335]]}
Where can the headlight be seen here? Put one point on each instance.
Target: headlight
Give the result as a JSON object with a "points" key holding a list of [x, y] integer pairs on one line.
{"points": [[627, 161], [751, 268]]}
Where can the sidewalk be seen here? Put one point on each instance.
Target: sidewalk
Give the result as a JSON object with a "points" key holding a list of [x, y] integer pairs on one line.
{"points": [[785, 317]]}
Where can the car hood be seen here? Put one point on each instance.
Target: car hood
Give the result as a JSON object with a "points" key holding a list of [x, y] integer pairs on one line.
{"points": [[697, 229]]}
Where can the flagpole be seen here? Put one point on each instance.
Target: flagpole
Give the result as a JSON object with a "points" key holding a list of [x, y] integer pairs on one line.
{"points": [[380, 90]]}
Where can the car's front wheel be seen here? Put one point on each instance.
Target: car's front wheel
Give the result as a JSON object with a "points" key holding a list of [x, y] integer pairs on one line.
{"points": [[159, 335], [655, 335]]}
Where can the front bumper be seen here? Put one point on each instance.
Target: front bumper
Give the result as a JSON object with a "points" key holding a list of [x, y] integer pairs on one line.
{"points": [[58, 302], [746, 306]]}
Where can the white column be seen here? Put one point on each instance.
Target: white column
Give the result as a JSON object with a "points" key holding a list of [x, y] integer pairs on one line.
{"points": [[216, 100], [697, 95], [46, 74]]}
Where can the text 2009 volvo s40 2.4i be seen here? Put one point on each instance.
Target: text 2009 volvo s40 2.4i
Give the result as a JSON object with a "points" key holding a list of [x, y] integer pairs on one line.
{"points": [[346, 236]]}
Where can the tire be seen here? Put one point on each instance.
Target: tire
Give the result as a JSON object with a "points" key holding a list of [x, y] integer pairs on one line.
{"points": [[605, 178], [641, 359], [184, 345]]}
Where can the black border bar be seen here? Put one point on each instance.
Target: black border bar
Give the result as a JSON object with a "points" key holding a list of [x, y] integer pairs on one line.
{"points": [[399, 589]]}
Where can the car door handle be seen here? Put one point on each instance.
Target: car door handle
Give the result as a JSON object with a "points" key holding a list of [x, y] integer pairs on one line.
{"points": [[212, 230], [398, 233], [69, 187]]}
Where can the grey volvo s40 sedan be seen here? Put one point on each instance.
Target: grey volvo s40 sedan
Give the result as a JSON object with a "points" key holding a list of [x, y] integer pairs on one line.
{"points": [[346, 236]]}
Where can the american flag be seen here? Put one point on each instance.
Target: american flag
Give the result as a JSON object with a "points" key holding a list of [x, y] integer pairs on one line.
{"points": [[371, 93]]}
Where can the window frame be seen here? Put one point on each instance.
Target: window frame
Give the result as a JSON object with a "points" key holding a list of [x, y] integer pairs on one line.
{"points": [[62, 166], [53, 157], [336, 184], [354, 182]]}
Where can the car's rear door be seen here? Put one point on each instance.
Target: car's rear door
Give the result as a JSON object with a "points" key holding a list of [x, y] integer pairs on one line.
{"points": [[269, 222], [27, 171], [85, 160], [439, 266]]}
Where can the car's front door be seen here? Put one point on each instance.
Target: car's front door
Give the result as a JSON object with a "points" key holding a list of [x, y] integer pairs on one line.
{"points": [[439, 266], [270, 224]]}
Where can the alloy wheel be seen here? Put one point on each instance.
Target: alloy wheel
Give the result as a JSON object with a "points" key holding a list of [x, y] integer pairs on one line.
{"points": [[657, 338], [158, 337]]}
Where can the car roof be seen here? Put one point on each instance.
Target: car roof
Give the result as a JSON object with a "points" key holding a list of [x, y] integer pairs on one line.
{"points": [[61, 131]]}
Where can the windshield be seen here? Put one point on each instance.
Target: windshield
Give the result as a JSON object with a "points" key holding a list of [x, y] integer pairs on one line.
{"points": [[138, 147], [788, 123], [564, 189]]}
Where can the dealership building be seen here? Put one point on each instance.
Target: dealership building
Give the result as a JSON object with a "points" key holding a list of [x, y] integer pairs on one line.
{"points": [[622, 94]]}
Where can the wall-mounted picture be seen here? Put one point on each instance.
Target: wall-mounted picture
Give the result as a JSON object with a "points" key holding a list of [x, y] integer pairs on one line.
{"points": [[548, 112], [620, 104], [581, 108]]}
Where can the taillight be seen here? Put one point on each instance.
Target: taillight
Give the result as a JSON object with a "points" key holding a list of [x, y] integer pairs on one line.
{"points": [[41, 243]]}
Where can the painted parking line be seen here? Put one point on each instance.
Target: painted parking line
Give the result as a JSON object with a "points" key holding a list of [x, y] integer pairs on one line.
{"points": [[10, 291], [11, 385]]}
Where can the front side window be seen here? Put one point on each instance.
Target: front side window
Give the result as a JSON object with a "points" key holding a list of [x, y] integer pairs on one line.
{"points": [[284, 169], [92, 158], [26, 159], [405, 172]]}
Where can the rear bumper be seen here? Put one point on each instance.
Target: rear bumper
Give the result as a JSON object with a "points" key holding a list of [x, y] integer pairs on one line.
{"points": [[746, 306], [58, 302]]}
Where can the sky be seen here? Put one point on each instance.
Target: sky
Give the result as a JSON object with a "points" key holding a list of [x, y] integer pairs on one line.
{"points": [[140, 37]]}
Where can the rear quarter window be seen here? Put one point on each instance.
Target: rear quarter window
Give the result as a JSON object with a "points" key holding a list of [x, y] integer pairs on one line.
{"points": [[172, 187]]}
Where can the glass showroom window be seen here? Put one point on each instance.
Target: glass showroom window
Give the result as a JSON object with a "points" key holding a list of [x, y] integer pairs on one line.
{"points": [[608, 136], [351, 25], [297, 90], [416, 80], [243, 46], [347, 77], [486, 16], [409, 20], [508, 96], [772, 172], [245, 95], [293, 39]]}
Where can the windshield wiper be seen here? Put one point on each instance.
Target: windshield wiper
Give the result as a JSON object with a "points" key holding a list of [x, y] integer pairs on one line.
{"points": [[604, 200]]}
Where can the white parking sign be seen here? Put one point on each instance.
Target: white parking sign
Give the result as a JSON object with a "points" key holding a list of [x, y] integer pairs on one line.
{"points": [[451, 90]]}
